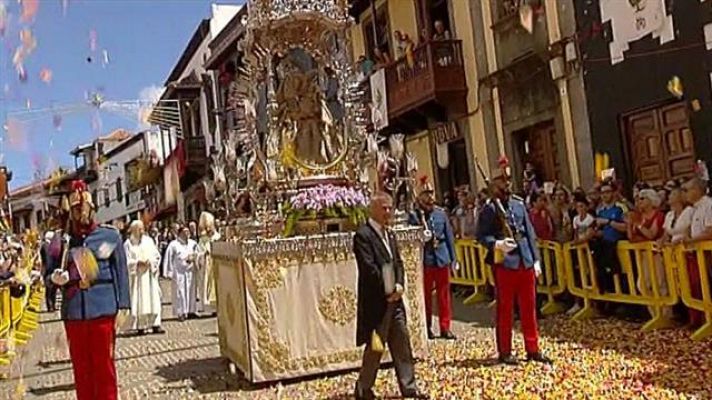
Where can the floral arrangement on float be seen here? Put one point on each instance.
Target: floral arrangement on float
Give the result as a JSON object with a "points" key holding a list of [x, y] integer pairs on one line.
{"points": [[323, 209]]}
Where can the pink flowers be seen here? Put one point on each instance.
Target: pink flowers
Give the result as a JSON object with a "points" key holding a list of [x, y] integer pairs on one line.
{"points": [[324, 197]]}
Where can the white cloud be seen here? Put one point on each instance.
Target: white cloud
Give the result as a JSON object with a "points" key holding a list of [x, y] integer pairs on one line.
{"points": [[151, 93], [147, 96]]}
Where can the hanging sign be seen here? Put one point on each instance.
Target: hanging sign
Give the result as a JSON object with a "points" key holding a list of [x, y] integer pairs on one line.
{"points": [[632, 20]]}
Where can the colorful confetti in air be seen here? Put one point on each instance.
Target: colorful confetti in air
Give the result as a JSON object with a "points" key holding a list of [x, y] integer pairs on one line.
{"points": [[29, 10], [46, 75], [15, 133], [21, 73], [3, 19], [92, 40], [57, 121]]}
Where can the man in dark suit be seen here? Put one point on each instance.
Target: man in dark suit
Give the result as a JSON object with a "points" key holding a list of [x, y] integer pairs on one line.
{"points": [[381, 312]]}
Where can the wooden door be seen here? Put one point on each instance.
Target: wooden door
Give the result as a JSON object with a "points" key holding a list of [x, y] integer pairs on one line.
{"points": [[660, 143], [538, 146]]}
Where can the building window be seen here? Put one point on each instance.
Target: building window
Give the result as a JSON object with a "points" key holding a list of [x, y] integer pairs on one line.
{"points": [[380, 35], [107, 198], [119, 191]]}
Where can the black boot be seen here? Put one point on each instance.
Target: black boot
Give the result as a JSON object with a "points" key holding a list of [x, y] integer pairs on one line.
{"points": [[508, 359], [538, 357]]}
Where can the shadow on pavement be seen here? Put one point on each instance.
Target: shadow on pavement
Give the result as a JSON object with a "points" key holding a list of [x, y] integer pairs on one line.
{"points": [[69, 387], [207, 376]]}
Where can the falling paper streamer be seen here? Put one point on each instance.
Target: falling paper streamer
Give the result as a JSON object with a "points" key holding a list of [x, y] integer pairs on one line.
{"points": [[57, 122], [92, 40], [3, 19], [21, 73], [526, 17], [675, 87], [96, 123], [28, 40], [46, 75], [105, 60], [28, 104], [65, 5], [15, 134], [29, 10]]}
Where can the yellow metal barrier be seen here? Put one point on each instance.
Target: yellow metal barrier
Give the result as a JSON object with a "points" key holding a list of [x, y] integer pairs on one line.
{"points": [[552, 281], [473, 270], [677, 256], [478, 274], [648, 281]]}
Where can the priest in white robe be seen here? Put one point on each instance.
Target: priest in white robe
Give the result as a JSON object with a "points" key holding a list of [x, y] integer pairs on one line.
{"points": [[179, 264], [205, 279], [143, 260]]}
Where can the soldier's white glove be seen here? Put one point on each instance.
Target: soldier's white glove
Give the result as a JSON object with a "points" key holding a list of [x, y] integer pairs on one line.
{"points": [[505, 245], [60, 277], [455, 266], [428, 235], [537, 268]]}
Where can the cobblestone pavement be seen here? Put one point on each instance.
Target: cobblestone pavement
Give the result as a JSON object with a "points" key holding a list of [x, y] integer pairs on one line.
{"points": [[601, 359]]}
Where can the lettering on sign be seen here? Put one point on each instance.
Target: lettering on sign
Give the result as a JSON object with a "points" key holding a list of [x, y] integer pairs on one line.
{"points": [[445, 133]]}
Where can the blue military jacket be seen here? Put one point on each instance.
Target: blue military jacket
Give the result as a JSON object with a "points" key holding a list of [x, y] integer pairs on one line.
{"points": [[490, 229], [110, 292], [439, 252]]}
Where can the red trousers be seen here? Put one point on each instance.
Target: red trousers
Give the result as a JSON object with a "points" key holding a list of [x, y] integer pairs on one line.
{"points": [[697, 318], [520, 284], [440, 276], [91, 348]]}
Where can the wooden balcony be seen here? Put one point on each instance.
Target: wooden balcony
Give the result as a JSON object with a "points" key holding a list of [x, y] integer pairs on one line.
{"points": [[433, 78], [196, 161]]}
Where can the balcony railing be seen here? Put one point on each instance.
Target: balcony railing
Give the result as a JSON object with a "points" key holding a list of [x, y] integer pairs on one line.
{"points": [[435, 73]]}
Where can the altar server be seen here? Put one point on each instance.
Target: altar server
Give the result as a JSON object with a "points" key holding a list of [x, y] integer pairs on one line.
{"points": [[381, 316], [179, 264], [143, 259]]}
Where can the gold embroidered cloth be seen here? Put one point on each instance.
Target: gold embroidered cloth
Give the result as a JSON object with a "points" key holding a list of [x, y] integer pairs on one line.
{"points": [[287, 307]]}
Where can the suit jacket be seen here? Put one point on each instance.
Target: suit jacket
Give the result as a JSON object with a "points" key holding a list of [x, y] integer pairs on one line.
{"points": [[442, 255], [490, 229], [110, 292], [371, 254]]}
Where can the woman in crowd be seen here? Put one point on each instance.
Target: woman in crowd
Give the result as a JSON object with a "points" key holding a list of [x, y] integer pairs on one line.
{"points": [[646, 224], [559, 210]]}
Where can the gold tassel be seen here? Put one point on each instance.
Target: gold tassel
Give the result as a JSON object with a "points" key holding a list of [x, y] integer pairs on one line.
{"points": [[376, 343]]}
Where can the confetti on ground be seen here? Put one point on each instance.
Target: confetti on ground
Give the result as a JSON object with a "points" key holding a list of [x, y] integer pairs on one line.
{"points": [[599, 359]]}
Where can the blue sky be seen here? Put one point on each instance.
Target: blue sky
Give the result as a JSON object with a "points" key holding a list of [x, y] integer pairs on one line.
{"points": [[143, 38]]}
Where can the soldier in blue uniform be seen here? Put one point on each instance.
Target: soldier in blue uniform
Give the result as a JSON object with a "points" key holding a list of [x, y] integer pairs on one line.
{"points": [[505, 229], [91, 271], [438, 257]]}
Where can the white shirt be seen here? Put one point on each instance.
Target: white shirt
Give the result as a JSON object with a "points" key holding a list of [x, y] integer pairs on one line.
{"points": [[581, 226], [381, 234], [389, 274], [702, 217], [678, 228]]}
